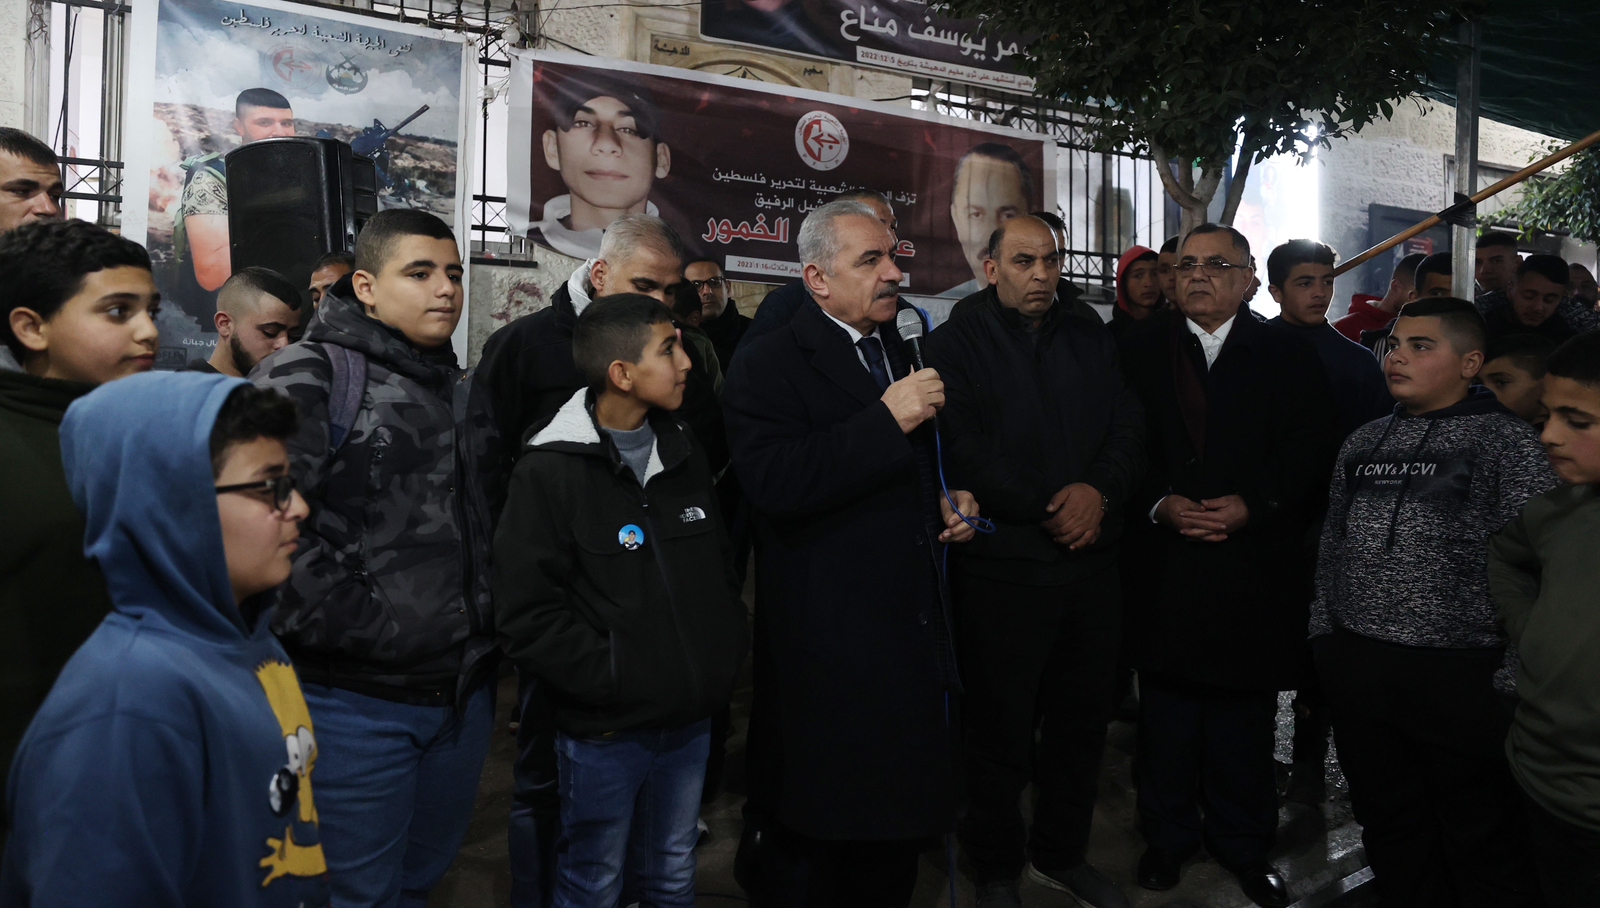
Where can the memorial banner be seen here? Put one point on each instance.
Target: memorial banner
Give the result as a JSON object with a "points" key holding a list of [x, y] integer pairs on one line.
{"points": [[906, 36], [735, 166], [206, 76]]}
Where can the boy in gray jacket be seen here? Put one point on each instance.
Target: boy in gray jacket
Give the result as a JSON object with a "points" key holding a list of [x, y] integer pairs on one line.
{"points": [[1407, 640]]}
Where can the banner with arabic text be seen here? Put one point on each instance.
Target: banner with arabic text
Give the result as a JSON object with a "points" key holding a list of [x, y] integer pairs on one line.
{"points": [[735, 165], [903, 35], [206, 76]]}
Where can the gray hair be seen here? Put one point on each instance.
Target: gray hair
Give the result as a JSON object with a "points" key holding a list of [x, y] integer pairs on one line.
{"points": [[626, 235], [819, 238]]}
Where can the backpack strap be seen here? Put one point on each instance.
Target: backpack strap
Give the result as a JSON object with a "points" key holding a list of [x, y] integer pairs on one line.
{"points": [[345, 393]]}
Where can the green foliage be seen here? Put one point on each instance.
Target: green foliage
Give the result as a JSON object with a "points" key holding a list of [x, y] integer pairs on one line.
{"points": [[1182, 79], [1566, 202]]}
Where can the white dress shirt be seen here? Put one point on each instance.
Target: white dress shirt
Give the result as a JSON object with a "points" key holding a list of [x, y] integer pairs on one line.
{"points": [[1210, 343]]}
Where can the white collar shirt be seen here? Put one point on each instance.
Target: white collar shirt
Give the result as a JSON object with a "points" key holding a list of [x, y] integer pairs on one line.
{"points": [[1211, 342]]}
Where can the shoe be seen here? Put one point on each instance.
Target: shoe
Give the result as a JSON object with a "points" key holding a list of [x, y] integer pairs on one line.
{"points": [[1263, 885], [999, 894], [1089, 886], [704, 834], [1158, 870], [747, 859]]}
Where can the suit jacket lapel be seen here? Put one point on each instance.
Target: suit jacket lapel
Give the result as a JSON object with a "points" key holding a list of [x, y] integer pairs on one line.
{"points": [[832, 354]]}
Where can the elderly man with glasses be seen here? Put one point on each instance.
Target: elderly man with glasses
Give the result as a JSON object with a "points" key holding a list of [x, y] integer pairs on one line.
{"points": [[1239, 417]]}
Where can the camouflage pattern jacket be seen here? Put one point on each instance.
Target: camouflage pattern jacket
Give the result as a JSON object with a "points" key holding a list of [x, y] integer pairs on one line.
{"points": [[390, 593]]}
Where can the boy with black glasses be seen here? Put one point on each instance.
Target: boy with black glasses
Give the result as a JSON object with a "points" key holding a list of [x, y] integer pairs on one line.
{"points": [[172, 763]]}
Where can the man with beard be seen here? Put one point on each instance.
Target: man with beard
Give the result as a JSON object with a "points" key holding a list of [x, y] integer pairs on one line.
{"points": [[258, 314]]}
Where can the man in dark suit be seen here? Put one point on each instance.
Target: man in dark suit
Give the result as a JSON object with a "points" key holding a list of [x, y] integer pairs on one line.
{"points": [[1041, 426], [1241, 441], [851, 747]]}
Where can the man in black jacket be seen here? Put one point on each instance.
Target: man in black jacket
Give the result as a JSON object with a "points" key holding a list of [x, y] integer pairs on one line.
{"points": [[854, 668], [1039, 425], [722, 320], [1241, 439], [528, 368]]}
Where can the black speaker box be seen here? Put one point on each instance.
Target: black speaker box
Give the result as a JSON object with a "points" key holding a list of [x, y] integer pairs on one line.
{"points": [[292, 200]]}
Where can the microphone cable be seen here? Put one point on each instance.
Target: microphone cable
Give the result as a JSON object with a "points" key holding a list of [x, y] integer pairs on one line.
{"points": [[910, 325]]}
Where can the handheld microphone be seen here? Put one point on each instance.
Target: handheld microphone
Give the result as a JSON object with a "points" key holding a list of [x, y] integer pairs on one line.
{"points": [[908, 323]]}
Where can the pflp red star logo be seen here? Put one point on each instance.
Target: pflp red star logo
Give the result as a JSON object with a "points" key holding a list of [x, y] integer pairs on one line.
{"points": [[821, 140]]}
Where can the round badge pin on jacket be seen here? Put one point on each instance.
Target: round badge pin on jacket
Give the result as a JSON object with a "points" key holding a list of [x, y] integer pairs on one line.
{"points": [[631, 537]]}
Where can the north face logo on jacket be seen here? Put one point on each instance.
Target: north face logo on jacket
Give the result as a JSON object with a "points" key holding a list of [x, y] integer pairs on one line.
{"points": [[690, 515]]}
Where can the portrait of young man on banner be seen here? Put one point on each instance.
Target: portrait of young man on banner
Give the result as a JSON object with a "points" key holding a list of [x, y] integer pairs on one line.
{"points": [[605, 142], [735, 166], [215, 76]]}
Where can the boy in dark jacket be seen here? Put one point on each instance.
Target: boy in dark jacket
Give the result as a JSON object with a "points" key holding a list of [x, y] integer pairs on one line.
{"points": [[79, 311], [614, 587], [1406, 638], [171, 765], [1543, 574], [387, 615]]}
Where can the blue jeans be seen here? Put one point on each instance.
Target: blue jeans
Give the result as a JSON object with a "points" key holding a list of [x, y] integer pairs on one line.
{"points": [[632, 797], [395, 788]]}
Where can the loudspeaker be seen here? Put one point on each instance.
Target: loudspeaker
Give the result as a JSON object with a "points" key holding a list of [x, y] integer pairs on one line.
{"points": [[292, 200]]}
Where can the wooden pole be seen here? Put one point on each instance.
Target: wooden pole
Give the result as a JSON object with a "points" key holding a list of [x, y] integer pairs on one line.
{"points": [[1477, 198]]}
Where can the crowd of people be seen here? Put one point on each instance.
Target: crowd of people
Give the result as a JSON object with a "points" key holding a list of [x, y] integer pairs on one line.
{"points": [[303, 564]]}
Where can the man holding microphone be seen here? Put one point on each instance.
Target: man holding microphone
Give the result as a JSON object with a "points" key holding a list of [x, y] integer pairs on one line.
{"points": [[852, 753]]}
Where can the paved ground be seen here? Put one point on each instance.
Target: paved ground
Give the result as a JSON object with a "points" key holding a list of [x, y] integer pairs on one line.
{"points": [[1315, 851]]}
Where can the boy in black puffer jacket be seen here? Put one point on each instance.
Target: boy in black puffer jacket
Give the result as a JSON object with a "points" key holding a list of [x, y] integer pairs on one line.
{"points": [[614, 585]]}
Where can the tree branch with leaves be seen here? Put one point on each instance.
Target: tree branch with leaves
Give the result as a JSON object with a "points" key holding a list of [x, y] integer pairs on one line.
{"points": [[1191, 83]]}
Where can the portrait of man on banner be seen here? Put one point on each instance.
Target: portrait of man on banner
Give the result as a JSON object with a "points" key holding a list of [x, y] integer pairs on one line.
{"points": [[734, 166], [606, 143]]}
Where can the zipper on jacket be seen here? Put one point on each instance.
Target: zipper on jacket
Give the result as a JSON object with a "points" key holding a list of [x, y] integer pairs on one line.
{"points": [[666, 583]]}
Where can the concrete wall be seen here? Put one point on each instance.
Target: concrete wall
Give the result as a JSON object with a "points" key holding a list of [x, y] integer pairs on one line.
{"points": [[1401, 163], [13, 62]]}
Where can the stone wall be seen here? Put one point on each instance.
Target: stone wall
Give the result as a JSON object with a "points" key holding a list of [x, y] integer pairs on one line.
{"points": [[13, 62]]}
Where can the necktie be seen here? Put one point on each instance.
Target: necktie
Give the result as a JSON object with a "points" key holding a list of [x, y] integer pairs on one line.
{"points": [[872, 352]]}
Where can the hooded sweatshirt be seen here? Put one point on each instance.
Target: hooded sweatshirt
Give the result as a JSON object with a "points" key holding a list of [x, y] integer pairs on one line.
{"points": [[1412, 503], [172, 763], [1122, 318], [51, 597]]}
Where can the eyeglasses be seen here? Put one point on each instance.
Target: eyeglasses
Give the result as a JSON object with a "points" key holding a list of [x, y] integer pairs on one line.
{"points": [[712, 282], [281, 488], [1213, 267]]}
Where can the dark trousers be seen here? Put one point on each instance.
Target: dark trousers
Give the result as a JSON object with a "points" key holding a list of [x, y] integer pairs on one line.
{"points": [[535, 820], [1039, 666], [1207, 746], [1421, 737], [801, 872], [1567, 858]]}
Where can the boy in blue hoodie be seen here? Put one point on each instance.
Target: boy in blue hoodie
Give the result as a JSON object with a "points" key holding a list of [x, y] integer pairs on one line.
{"points": [[1407, 641], [614, 586], [171, 764]]}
